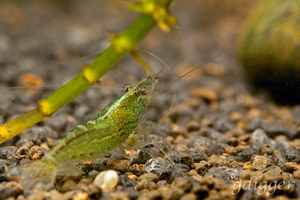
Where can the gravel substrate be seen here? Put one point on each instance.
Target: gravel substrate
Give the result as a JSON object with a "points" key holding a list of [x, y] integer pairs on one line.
{"points": [[218, 140]]}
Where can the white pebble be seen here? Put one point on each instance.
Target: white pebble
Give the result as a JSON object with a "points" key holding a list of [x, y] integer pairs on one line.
{"points": [[106, 180]]}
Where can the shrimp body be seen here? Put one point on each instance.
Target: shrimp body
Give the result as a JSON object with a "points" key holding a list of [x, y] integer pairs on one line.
{"points": [[98, 136]]}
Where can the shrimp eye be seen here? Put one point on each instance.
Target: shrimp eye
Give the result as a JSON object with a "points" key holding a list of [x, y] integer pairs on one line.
{"points": [[127, 88], [143, 91]]}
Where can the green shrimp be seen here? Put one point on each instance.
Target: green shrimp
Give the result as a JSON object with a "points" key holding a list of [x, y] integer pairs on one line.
{"points": [[95, 138]]}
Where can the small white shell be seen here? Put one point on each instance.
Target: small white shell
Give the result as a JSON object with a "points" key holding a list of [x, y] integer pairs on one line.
{"points": [[106, 180]]}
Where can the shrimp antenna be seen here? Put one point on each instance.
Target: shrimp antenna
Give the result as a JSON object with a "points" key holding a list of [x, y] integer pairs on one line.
{"points": [[230, 49], [160, 60], [169, 70]]}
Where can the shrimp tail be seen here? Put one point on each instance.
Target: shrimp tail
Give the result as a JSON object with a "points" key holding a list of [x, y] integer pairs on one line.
{"points": [[39, 174]]}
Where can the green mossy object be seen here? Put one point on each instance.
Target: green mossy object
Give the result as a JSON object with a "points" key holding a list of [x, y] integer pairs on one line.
{"points": [[271, 51]]}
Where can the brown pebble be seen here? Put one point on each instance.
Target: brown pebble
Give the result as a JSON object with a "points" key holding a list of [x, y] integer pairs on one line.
{"points": [[118, 196], [80, 196], [201, 167], [131, 176], [231, 151], [35, 153], [16, 188], [216, 161], [193, 126], [189, 196], [245, 174], [22, 152], [171, 193], [182, 147], [185, 184], [296, 174], [119, 165], [232, 141], [180, 139], [260, 162], [201, 191], [151, 195], [272, 178], [186, 159], [274, 171], [205, 93], [236, 116], [145, 184], [149, 177], [176, 130], [207, 122], [68, 185], [291, 166]]}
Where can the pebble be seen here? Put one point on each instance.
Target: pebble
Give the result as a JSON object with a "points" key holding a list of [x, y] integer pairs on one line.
{"points": [[176, 130], [189, 196], [296, 174], [159, 166], [35, 152], [185, 158], [68, 185], [7, 152], [37, 135], [185, 184], [205, 93], [80, 196], [121, 165], [260, 162], [225, 173], [145, 184], [293, 155], [197, 156], [274, 128], [106, 180], [118, 196], [254, 124], [11, 189], [58, 122], [202, 167], [149, 177], [193, 126], [201, 191], [126, 182], [224, 124]]}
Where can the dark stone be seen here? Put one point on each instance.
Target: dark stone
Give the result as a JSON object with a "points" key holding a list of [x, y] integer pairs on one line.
{"points": [[293, 155], [255, 123], [159, 166], [225, 173], [57, 123], [218, 148], [125, 181], [224, 124], [212, 133], [11, 189], [246, 154], [185, 184], [132, 192], [293, 132], [37, 135], [198, 156], [274, 128], [201, 191], [7, 152], [149, 176]]}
